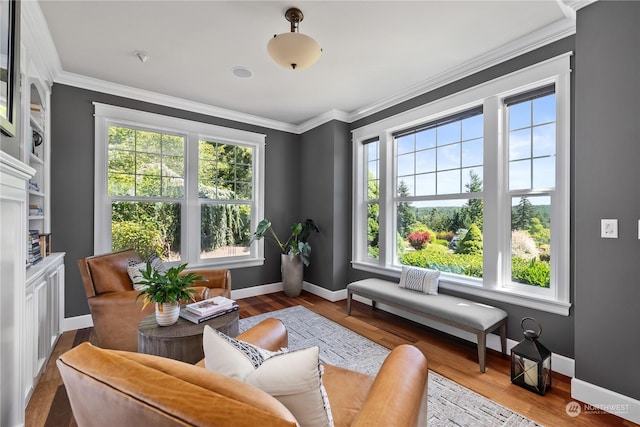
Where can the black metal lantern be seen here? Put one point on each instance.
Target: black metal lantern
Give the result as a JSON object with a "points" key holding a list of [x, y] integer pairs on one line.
{"points": [[531, 361]]}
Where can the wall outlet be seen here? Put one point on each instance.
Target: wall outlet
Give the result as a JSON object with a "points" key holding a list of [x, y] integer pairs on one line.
{"points": [[609, 228]]}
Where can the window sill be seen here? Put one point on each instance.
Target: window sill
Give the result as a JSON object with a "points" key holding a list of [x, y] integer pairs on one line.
{"points": [[468, 287], [226, 264]]}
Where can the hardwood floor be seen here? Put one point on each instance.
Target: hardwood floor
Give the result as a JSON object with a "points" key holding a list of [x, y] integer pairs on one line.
{"points": [[451, 357]]}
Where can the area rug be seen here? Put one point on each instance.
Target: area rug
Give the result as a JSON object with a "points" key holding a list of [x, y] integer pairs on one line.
{"points": [[450, 404]]}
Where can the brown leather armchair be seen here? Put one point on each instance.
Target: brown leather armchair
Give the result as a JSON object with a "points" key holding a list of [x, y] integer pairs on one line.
{"points": [[111, 296], [108, 388]]}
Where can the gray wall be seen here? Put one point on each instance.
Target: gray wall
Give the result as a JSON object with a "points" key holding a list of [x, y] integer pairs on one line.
{"points": [[326, 197], [72, 180], [607, 185]]}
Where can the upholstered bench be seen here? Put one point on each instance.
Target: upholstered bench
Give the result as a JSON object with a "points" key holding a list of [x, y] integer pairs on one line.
{"points": [[470, 316]]}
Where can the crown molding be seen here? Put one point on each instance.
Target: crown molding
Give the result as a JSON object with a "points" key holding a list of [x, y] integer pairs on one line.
{"points": [[546, 35], [98, 85], [322, 119], [46, 51], [38, 42], [577, 4]]}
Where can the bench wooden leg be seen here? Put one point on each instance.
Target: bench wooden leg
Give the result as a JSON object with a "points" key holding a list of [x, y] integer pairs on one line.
{"points": [[503, 337], [482, 350], [349, 297]]}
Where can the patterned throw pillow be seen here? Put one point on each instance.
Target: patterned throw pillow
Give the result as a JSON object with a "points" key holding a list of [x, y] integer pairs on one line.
{"points": [[420, 279], [135, 266], [294, 378]]}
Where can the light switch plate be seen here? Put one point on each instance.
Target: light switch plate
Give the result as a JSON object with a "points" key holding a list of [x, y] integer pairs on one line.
{"points": [[609, 228]]}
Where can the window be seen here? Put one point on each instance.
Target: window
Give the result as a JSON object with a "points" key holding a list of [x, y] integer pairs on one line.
{"points": [[183, 190], [474, 185], [439, 194], [532, 143]]}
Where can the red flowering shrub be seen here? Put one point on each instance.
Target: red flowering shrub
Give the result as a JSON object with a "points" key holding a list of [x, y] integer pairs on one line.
{"points": [[418, 239]]}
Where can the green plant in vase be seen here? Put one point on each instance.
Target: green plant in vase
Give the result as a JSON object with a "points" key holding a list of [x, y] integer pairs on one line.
{"points": [[166, 290], [295, 251]]}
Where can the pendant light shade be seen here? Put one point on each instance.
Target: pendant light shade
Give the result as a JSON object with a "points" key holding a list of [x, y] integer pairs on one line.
{"points": [[293, 50]]}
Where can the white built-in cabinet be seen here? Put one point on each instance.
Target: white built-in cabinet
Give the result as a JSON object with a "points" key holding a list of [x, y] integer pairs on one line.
{"points": [[44, 294], [32, 297]]}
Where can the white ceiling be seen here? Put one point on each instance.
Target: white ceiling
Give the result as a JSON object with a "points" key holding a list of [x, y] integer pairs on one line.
{"points": [[375, 53]]}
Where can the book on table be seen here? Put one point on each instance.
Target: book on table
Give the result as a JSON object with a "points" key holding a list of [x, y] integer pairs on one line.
{"points": [[188, 315], [210, 305]]}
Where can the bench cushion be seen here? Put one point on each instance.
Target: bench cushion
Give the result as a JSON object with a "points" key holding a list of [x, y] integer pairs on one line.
{"points": [[472, 314]]}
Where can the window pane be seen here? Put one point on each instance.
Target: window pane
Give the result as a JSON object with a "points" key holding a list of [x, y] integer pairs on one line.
{"points": [[449, 133], [426, 139], [149, 142], [373, 170], [406, 144], [472, 180], [416, 168], [544, 140], [148, 228], [172, 145], [520, 144], [121, 161], [225, 171], [406, 187], [449, 182], [122, 184], [121, 138], [531, 240], [544, 109], [519, 175], [449, 157], [138, 171], [472, 153], [520, 116], [544, 172], [225, 230], [426, 184], [532, 148], [425, 161], [373, 230], [406, 164], [441, 235], [472, 128]]}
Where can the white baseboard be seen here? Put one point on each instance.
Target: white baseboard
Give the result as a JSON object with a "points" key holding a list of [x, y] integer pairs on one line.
{"points": [[332, 296], [598, 400], [78, 322], [255, 291], [560, 364]]}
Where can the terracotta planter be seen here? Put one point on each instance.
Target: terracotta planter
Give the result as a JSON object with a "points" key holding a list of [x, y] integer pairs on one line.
{"points": [[292, 273], [168, 315]]}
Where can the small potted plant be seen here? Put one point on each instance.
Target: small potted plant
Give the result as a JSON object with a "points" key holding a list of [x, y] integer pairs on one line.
{"points": [[166, 290], [295, 252]]}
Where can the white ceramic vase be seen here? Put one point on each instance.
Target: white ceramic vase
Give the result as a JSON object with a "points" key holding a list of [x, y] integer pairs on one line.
{"points": [[292, 273], [168, 315]]}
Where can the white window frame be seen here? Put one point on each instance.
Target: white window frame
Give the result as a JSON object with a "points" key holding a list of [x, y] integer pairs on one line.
{"points": [[107, 115], [496, 282]]}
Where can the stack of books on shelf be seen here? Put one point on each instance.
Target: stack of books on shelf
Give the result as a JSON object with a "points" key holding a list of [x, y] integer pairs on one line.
{"points": [[45, 244], [34, 254], [35, 210], [208, 309]]}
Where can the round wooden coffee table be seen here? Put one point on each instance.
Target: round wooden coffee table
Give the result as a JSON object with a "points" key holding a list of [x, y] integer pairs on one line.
{"points": [[183, 340]]}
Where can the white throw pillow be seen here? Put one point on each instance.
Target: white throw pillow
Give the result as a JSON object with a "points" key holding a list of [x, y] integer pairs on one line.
{"points": [[136, 276], [420, 279], [294, 378]]}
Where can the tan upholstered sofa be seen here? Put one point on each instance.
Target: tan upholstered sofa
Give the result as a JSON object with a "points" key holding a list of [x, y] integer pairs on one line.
{"points": [[115, 388], [111, 296]]}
